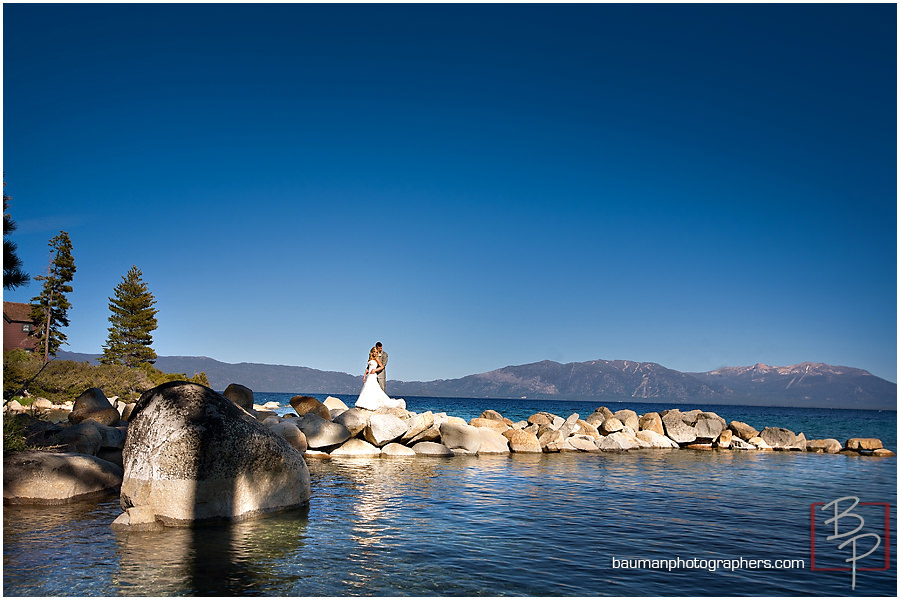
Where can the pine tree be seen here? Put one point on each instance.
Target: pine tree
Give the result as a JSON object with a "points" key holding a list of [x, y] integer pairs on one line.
{"points": [[50, 308], [133, 320], [13, 275]]}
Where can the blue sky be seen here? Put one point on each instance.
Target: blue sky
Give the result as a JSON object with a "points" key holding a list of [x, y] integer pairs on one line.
{"points": [[475, 185]]}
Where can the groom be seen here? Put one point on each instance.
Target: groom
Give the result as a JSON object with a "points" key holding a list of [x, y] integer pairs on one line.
{"points": [[382, 355]]}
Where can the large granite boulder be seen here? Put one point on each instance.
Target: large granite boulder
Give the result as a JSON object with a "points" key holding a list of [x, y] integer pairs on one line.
{"points": [[708, 429], [582, 427], [383, 429], [92, 405], [432, 449], [655, 440], [828, 446], [321, 433], [333, 403], [57, 477], [356, 447], [496, 425], [463, 436], [582, 442], [523, 441], [304, 405], [240, 395], [495, 416], [863, 444], [783, 439], [676, 429], [193, 455], [395, 450], [289, 431], [83, 438], [629, 418], [541, 418], [418, 424], [354, 419], [617, 442], [724, 439], [492, 441], [611, 425], [651, 421], [742, 430]]}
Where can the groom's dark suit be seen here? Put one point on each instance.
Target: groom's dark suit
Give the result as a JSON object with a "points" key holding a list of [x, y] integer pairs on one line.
{"points": [[381, 376]]}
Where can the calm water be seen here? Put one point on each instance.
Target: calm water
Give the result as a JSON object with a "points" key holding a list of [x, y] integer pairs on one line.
{"points": [[545, 525]]}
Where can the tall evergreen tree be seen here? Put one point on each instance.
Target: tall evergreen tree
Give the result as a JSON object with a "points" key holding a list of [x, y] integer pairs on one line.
{"points": [[50, 308], [13, 275], [133, 320]]}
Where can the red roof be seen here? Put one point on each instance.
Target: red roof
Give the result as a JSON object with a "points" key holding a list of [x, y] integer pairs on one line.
{"points": [[17, 312]]}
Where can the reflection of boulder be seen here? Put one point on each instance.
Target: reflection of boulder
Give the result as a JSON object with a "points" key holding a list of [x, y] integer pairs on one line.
{"points": [[192, 455], [56, 477]]}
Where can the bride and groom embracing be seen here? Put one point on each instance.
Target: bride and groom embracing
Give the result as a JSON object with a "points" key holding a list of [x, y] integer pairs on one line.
{"points": [[372, 396]]}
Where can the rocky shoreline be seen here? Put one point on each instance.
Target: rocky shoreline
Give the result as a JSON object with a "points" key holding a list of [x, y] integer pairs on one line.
{"points": [[185, 453]]}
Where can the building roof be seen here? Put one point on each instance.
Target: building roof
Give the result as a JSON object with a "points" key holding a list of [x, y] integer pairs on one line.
{"points": [[17, 311]]}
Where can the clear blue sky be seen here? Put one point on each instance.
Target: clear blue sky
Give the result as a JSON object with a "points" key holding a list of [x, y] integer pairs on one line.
{"points": [[475, 185]]}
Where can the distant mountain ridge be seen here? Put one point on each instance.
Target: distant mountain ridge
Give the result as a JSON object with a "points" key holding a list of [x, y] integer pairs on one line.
{"points": [[806, 384]]}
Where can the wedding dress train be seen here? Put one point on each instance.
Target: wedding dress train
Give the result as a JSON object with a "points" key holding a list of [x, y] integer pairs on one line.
{"points": [[372, 397]]}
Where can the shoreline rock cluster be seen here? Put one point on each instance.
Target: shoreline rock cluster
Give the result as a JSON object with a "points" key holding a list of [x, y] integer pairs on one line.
{"points": [[95, 446]]}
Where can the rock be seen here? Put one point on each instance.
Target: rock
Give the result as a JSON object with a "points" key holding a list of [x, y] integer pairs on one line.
{"points": [[83, 438], [356, 447], [42, 404], [383, 428], [724, 439], [460, 436], [882, 452], [742, 430], [303, 405], [57, 415], [654, 439], [611, 425], [651, 421], [321, 433], [432, 449], [519, 425], [863, 444], [395, 450], [628, 418], [240, 395], [193, 455], [760, 443], [541, 418], [335, 412], [498, 426], [92, 405], [432, 434], [269, 421], [332, 403], [522, 441], [616, 442], [113, 455], [492, 441], [676, 429], [779, 437], [126, 411], [290, 432], [828, 446], [13, 406], [708, 429], [561, 446], [585, 443], [584, 428], [494, 416], [690, 417], [739, 444], [699, 446], [418, 424], [551, 436], [451, 420], [262, 415], [57, 477], [354, 419]]}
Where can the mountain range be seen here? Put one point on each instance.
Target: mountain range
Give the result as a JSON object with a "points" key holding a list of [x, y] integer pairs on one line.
{"points": [[803, 385]]}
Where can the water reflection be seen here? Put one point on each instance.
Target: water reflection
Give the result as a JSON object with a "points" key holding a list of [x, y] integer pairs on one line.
{"points": [[225, 559]]}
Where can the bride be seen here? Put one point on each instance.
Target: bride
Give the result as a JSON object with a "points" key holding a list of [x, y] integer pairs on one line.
{"points": [[372, 397]]}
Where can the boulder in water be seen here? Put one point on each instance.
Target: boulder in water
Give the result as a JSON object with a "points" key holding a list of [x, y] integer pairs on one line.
{"points": [[193, 455], [57, 477]]}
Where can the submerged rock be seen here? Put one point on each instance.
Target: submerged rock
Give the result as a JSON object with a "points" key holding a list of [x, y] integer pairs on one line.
{"points": [[57, 477], [193, 455]]}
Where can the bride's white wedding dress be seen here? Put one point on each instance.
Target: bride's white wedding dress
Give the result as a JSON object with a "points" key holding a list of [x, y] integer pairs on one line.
{"points": [[373, 397]]}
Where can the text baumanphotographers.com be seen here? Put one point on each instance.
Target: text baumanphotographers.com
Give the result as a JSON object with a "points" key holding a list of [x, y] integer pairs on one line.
{"points": [[706, 564]]}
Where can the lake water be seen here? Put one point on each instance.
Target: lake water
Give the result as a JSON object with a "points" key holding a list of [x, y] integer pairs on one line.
{"points": [[535, 525]]}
